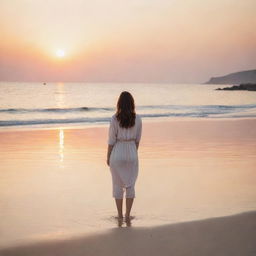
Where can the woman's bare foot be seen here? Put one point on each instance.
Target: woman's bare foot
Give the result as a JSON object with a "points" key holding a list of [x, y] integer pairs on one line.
{"points": [[128, 219], [120, 217], [120, 220]]}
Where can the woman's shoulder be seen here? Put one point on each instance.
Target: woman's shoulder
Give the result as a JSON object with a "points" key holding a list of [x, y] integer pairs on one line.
{"points": [[138, 120], [138, 117], [113, 118]]}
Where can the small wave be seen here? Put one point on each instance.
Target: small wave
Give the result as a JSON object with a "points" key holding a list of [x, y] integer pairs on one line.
{"points": [[52, 121], [107, 119], [197, 106], [168, 107], [55, 110]]}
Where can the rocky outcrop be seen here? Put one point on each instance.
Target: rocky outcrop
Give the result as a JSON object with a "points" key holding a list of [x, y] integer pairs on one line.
{"points": [[247, 87]]}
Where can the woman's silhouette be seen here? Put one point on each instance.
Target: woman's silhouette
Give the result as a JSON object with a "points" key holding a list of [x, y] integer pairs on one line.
{"points": [[122, 157]]}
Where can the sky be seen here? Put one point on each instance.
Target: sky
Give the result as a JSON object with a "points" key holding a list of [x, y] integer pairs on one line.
{"points": [[169, 41]]}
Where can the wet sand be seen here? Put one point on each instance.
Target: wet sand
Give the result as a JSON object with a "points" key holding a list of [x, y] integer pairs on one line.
{"points": [[56, 194]]}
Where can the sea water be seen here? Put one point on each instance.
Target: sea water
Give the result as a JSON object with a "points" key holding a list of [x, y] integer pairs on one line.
{"points": [[50, 104]]}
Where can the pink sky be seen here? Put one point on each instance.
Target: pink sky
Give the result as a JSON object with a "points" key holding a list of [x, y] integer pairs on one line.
{"points": [[179, 41]]}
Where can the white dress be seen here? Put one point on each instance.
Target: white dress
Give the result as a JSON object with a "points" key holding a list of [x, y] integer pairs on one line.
{"points": [[123, 160]]}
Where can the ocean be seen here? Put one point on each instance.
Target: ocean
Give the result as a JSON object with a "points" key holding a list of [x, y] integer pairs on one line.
{"points": [[74, 104]]}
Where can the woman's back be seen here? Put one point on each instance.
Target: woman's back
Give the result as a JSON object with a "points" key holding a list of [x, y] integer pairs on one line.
{"points": [[124, 156], [118, 133]]}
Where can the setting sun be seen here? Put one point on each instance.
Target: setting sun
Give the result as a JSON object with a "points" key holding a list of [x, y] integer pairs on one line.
{"points": [[60, 53]]}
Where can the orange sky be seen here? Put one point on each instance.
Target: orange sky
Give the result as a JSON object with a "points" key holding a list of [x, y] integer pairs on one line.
{"points": [[126, 41]]}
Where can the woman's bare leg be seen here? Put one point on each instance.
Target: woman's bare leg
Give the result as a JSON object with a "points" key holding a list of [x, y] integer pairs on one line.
{"points": [[119, 206], [129, 202]]}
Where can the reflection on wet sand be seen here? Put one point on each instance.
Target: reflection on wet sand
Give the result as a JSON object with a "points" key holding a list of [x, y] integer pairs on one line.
{"points": [[61, 144], [56, 181]]}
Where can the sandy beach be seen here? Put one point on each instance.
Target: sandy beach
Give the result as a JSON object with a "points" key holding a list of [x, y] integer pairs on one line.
{"points": [[195, 193], [232, 235]]}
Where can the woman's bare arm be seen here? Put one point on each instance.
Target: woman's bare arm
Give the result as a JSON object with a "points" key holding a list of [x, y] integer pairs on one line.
{"points": [[110, 147]]}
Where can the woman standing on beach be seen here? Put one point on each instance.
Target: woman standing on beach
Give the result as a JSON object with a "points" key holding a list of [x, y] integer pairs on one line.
{"points": [[122, 157]]}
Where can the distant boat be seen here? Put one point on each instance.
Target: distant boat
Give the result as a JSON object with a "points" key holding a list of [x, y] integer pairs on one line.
{"points": [[44, 83]]}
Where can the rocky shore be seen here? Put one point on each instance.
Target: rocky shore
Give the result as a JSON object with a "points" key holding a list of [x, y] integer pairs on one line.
{"points": [[247, 87]]}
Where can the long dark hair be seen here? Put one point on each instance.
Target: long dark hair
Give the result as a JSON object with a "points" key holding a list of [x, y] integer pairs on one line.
{"points": [[125, 112]]}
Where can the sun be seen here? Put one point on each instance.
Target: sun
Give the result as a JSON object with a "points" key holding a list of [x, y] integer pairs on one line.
{"points": [[60, 53]]}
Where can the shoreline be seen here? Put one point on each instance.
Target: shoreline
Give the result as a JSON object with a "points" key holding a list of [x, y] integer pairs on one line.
{"points": [[100, 125]]}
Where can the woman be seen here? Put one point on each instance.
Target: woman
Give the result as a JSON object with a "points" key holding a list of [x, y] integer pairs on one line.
{"points": [[122, 157]]}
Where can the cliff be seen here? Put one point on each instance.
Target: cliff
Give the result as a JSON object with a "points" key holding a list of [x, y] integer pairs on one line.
{"points": [[248, 76]]}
